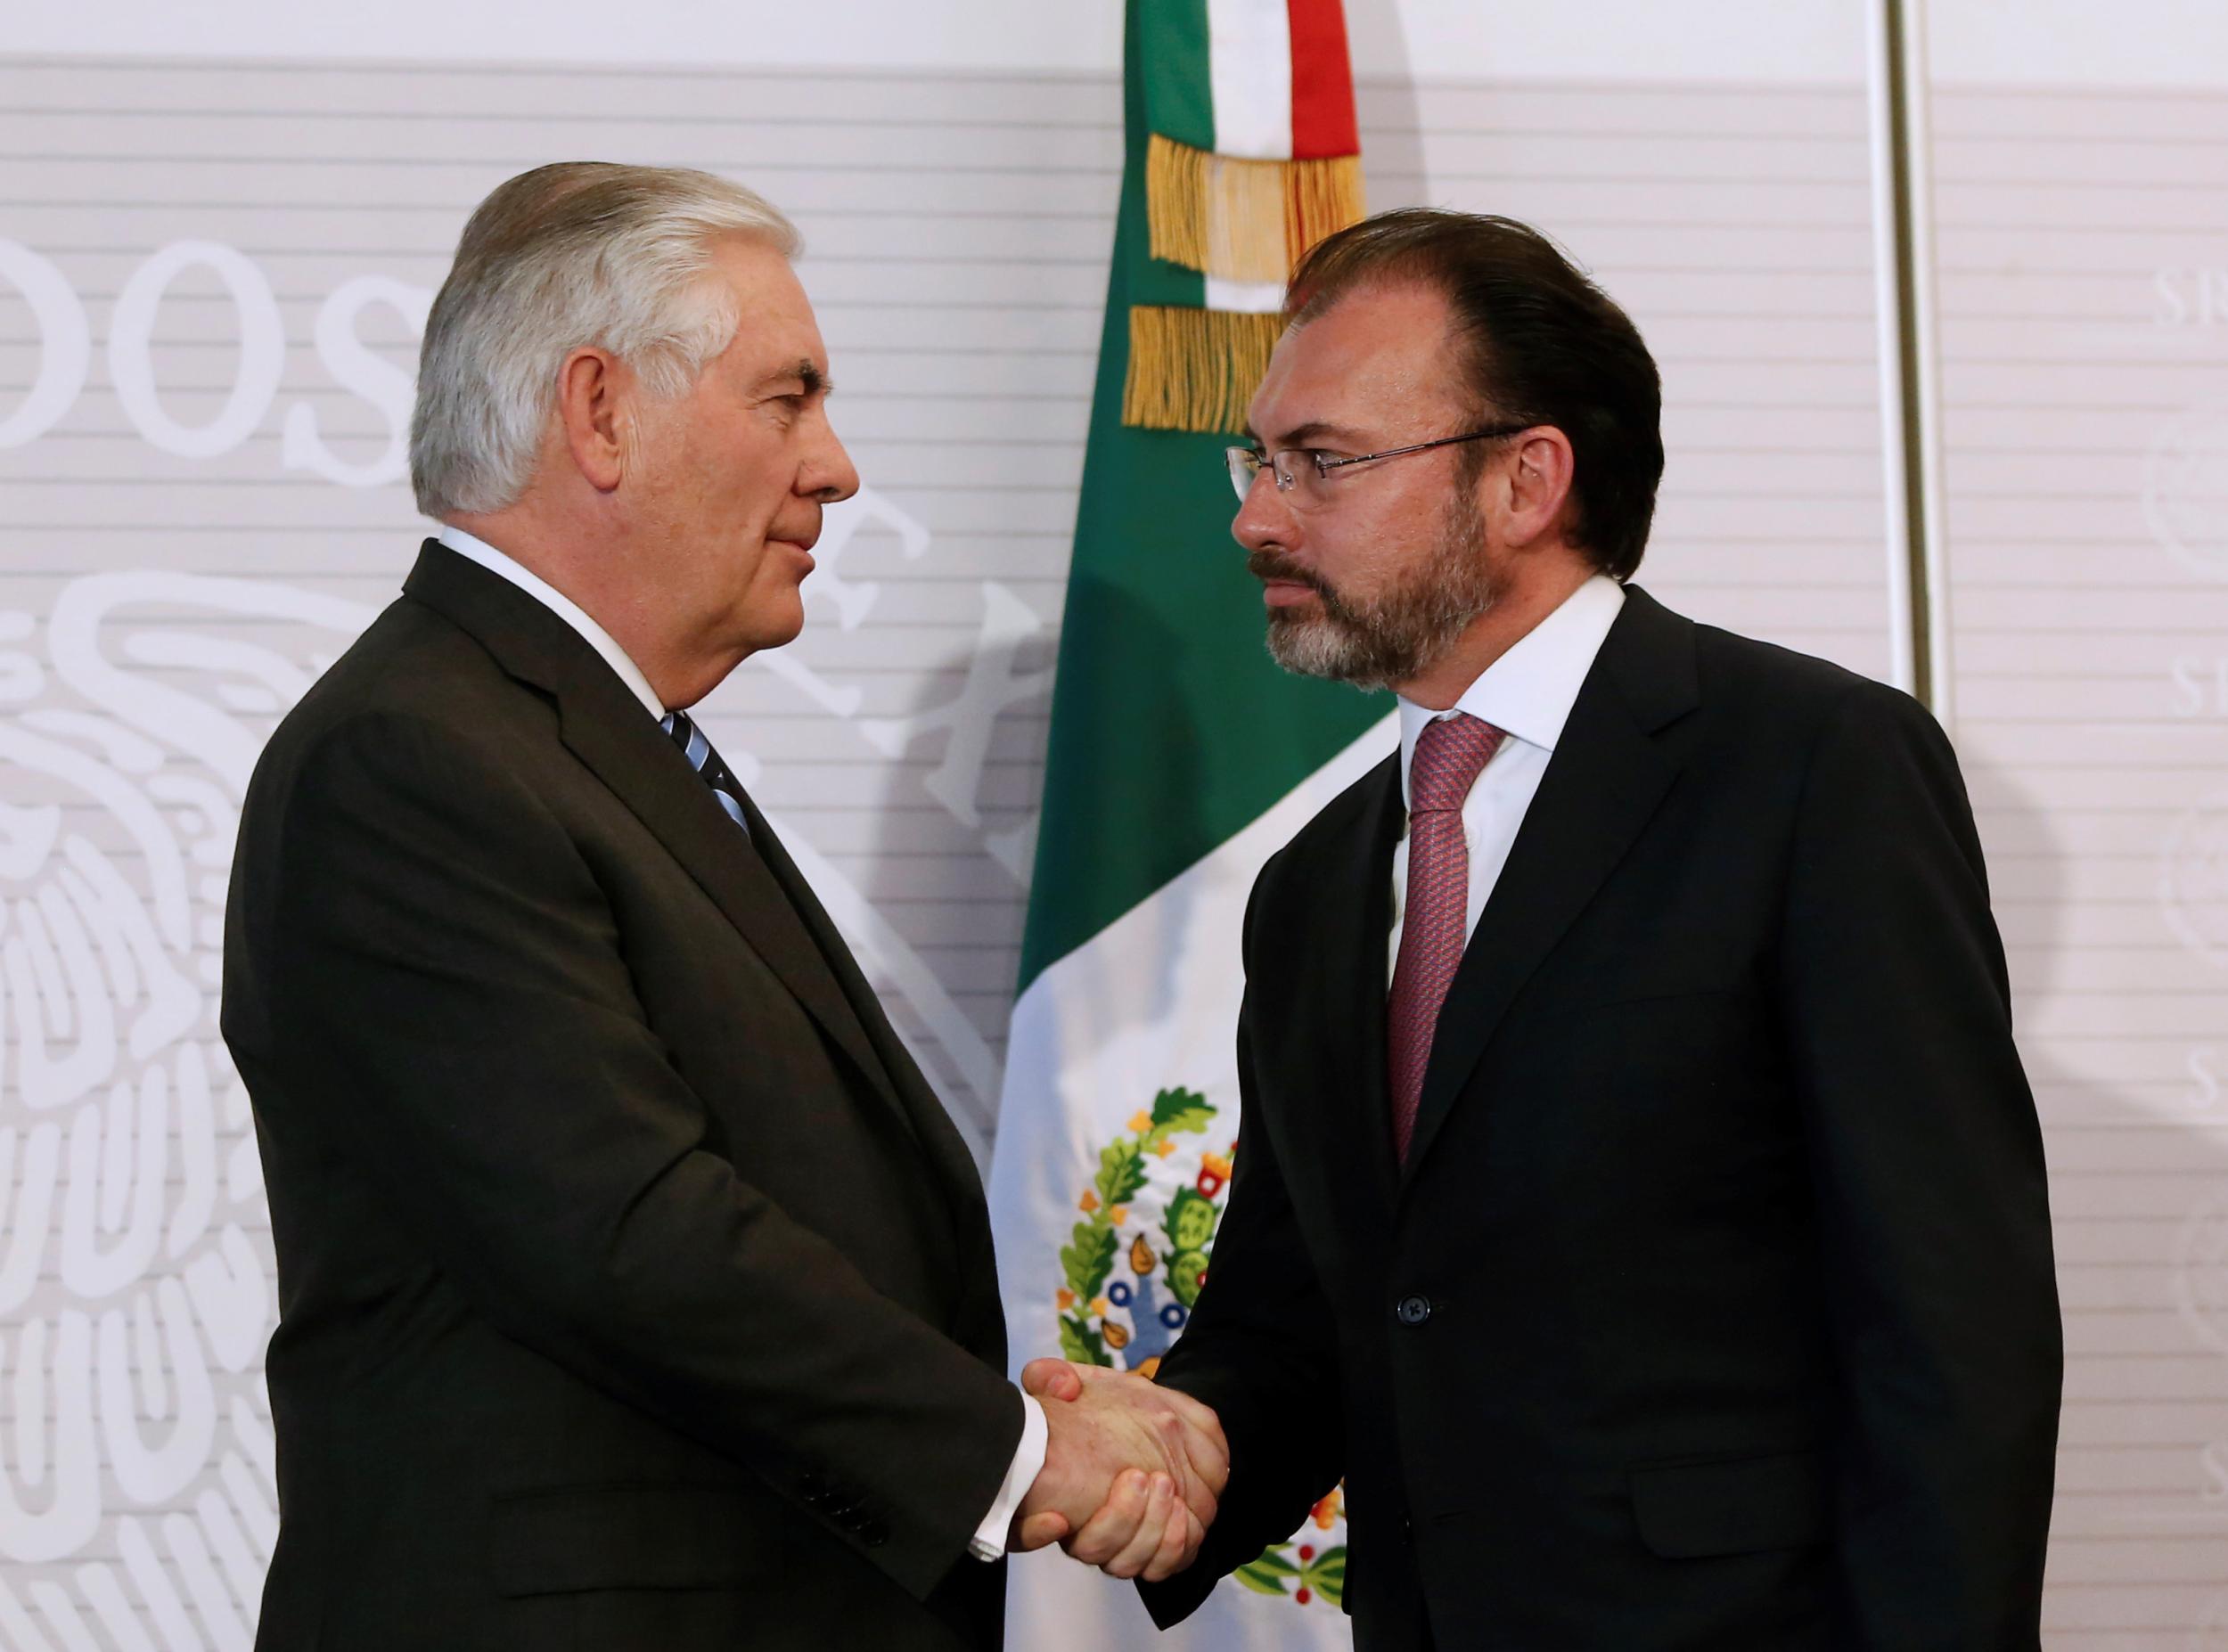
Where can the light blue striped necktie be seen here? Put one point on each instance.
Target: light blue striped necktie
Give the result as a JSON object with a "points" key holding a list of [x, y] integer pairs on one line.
{"points": [[706, 762]]}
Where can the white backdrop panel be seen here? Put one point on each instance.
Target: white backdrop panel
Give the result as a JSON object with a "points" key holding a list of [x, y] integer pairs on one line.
{"points": [[212, 269], [2083, 244]]}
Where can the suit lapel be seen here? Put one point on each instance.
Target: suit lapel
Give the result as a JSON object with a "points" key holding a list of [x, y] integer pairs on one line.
{"points": [[610, 732], [1610, 772], [939, 1137], [1354, 921]]}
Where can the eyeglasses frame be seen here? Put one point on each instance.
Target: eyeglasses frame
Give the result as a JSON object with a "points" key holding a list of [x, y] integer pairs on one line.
{"points": [[1255, 459]]}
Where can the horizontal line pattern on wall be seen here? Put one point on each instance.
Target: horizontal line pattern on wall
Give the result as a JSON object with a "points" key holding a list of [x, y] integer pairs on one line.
{"points": [[2083, 293], [958, 229]]}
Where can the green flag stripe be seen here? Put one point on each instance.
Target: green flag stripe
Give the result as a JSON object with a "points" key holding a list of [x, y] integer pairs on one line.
{"points": [[1171, 728], [1178, 84]]}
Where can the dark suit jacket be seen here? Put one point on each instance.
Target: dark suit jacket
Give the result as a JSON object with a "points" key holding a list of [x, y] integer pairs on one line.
{"points": [[634, 1290], [1713, 1307]]}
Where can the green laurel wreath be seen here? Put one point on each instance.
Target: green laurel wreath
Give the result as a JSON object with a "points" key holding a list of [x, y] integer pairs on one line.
{"points": [[1087, 1259], [1315, 1574]]}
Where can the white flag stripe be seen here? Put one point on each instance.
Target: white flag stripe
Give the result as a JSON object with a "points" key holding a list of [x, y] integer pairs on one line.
{"points": [[1250, 74], [1149, 1000], [1148, 1004], [1259, 298]]}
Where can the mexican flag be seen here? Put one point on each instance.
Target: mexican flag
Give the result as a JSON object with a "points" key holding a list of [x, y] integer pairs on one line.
{"points": [[1181, 757]]}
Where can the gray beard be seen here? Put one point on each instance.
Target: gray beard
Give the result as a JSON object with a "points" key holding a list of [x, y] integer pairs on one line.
{"points": [[1402, 633]]}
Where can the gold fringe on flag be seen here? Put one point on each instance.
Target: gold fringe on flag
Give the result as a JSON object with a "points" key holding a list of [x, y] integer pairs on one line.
{"points": [[1195, 370], [1240, 220], [1324, 197]]}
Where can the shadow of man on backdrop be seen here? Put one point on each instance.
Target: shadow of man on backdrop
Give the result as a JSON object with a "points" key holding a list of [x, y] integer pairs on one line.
{"points": [[1386, 108], [2139, 1199]]}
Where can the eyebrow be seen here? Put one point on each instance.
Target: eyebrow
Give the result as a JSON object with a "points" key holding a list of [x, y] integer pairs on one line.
{"points": [[807, 373], [1299, 434]]}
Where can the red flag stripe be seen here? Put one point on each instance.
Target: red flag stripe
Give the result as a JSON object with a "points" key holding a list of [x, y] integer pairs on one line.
{"points": [[1322, 81]]}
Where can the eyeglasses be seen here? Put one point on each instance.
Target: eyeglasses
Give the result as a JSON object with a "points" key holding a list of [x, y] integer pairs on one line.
{"points": [[1307, 483]]}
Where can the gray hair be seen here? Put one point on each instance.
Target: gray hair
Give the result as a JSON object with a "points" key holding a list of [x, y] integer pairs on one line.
{"points": [[577, 254]]}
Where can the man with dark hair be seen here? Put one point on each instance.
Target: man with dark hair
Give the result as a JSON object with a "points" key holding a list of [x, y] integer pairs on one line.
{"points": [[1637, 1169]]}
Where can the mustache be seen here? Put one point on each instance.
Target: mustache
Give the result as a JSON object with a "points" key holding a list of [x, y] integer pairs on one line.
{"points": [[1274, 565]]}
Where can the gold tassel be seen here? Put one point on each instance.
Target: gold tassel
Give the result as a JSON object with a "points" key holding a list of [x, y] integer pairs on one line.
{"points": [[1240, 220], [1195, 370], [1325, 197], [1175, 201]]}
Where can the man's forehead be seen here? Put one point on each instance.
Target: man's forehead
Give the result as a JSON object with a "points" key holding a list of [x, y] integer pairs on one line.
{"points": [[777, 337], [1379, 331], [772, 301], [1348, 371]]}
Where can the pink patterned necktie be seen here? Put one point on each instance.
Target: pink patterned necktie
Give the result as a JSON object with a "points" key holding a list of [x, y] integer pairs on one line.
{"points": [[1450, 754]]}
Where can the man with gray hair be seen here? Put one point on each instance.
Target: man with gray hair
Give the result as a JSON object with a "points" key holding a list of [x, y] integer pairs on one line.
{"points": [[635, 1288]]}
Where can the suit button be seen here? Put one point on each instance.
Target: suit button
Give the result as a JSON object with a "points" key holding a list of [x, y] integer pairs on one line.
{"points": [[1412, 1310]]}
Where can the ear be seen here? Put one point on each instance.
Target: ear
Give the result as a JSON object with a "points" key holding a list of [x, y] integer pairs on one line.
{"points": [[1534, 482], [594, 397]]}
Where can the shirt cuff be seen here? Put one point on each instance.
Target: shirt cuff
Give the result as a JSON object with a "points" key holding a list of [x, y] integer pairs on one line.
{"points": [[988, 1543]]}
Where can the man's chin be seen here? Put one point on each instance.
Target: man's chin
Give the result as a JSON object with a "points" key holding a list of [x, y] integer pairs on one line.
{"points": [[776, 623], [1309, 646]]}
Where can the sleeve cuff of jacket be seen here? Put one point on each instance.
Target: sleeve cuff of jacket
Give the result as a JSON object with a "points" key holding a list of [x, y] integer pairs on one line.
{"points": [[988, 1543]]}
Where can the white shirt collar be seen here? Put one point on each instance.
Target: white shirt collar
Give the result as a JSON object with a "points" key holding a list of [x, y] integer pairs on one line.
{"points": [[558, 603], [1528, 691]]}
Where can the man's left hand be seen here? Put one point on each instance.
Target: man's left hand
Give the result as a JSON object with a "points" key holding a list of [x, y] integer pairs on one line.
{"points": [[1113, 1531]]}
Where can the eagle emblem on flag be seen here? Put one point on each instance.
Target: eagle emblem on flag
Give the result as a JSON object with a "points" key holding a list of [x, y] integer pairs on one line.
{"points": [[1133, 1267]]}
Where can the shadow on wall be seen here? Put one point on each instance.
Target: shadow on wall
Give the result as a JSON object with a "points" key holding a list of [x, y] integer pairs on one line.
{"points": [[2139, 1195], [1390, 117]]}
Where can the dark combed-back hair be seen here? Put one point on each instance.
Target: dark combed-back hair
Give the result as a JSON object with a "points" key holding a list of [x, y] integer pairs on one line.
{"points": [[1543, 345]]}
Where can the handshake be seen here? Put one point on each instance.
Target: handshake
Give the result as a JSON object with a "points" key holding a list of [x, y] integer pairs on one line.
{"points": [[1132, 1471]]}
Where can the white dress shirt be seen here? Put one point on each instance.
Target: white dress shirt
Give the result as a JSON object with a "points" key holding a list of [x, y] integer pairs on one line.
{"points": [[1527, 694], [988, 1543]]}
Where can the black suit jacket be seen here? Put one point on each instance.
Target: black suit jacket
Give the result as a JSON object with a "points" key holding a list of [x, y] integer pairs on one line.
{"points": [[634, 1290], [1714, 1306]]}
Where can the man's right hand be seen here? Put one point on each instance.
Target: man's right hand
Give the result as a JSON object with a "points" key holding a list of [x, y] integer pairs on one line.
{"points": [[1130, 1477]]}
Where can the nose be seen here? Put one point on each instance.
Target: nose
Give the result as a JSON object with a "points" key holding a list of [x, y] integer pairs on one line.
{"points": [[1264, 518], [828, 474]]}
